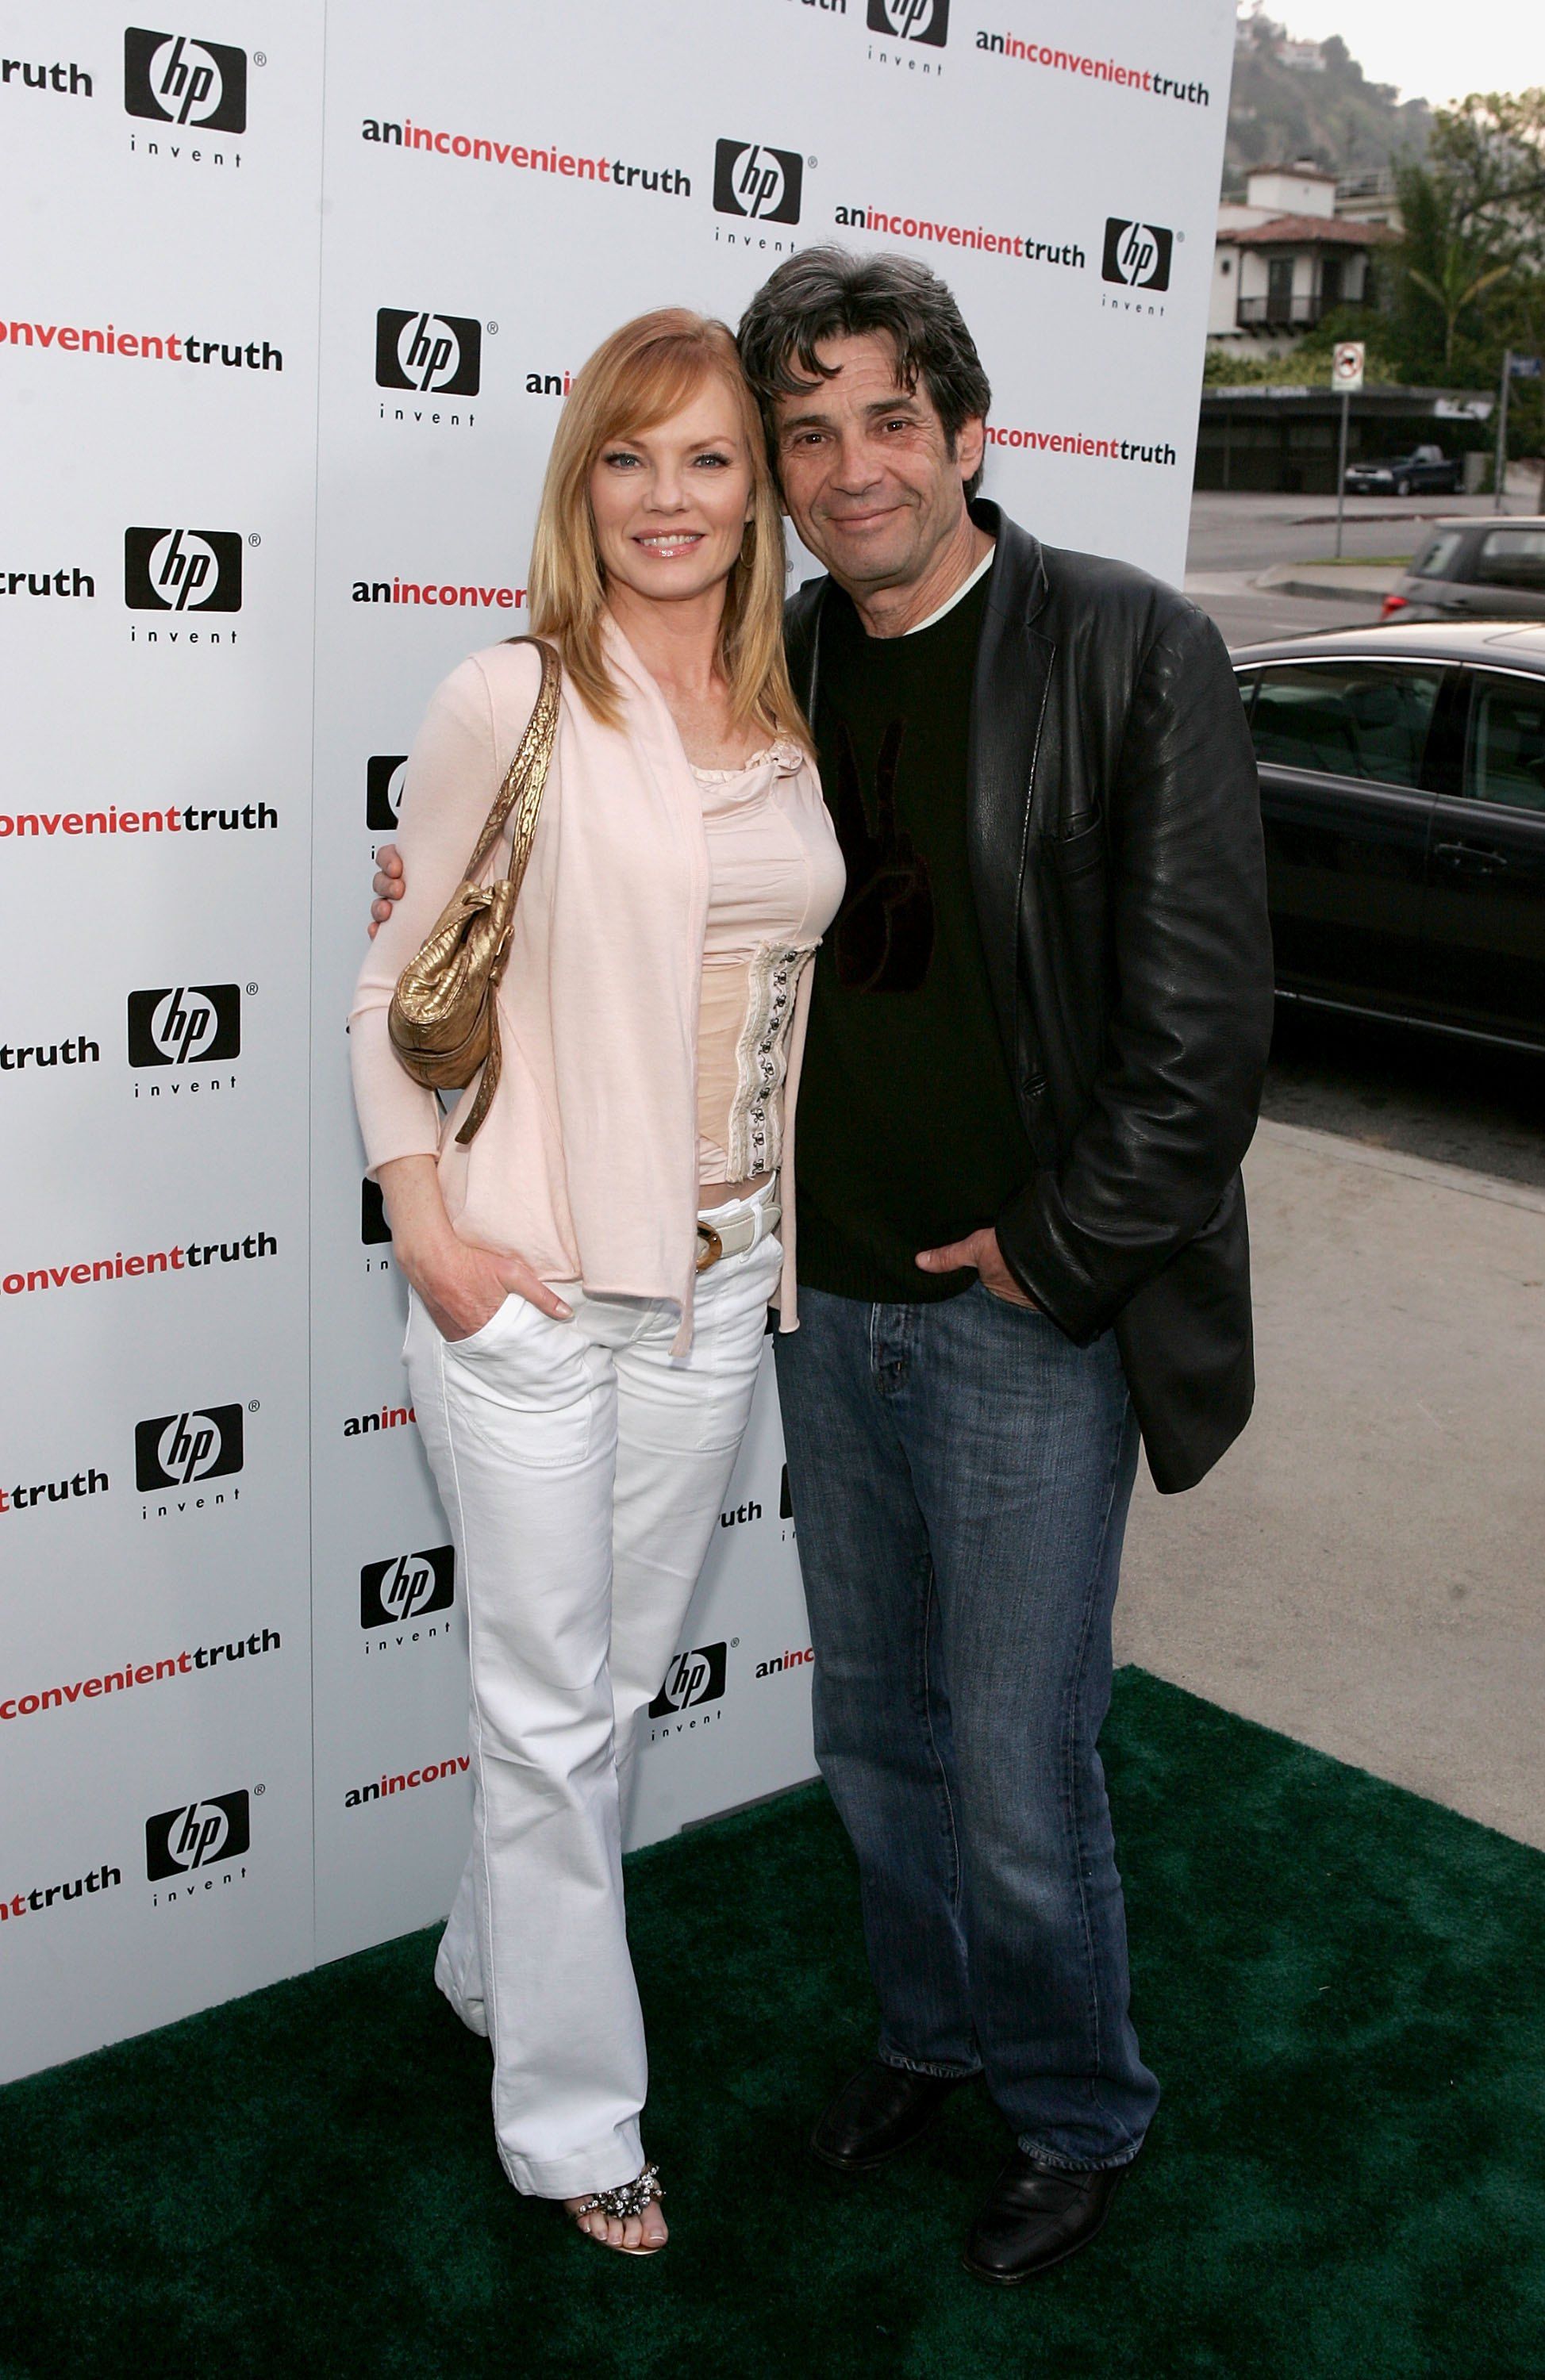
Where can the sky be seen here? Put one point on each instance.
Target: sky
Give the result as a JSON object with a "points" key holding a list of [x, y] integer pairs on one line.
{"points": [[1432, 49]]}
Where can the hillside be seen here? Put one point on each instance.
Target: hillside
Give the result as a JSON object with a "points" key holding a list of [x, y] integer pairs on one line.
{"points": [[1285, 107]]}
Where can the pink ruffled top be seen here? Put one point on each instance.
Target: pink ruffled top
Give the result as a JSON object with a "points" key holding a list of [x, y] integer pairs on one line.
{"points": [[776, 878]]}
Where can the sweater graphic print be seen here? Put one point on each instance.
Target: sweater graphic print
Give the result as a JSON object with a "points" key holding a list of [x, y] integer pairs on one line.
{"points": [[882, 940]]}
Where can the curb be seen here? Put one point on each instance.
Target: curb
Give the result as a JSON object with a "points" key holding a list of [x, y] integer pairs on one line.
{"points": [[1290, 578], [1458, 1179]]}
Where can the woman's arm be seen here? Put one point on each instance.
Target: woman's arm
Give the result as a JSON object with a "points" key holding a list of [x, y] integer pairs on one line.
{"points": [[454, 771]]}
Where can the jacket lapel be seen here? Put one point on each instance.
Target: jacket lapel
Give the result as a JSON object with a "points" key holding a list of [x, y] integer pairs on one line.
{"points": [[802, 615], [1008, 702]]}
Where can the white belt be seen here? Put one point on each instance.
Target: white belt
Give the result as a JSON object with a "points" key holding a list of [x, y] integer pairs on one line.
{"points": [[740, 1233]]}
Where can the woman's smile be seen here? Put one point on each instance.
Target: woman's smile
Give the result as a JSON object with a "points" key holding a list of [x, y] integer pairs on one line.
{"points": [[667, 544]]}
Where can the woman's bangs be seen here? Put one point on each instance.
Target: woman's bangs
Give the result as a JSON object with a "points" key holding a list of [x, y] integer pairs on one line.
{"points": [[662, 381]]}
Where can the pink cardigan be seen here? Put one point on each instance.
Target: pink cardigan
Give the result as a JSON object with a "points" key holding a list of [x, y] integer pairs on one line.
{"points": [[586, 1164]]}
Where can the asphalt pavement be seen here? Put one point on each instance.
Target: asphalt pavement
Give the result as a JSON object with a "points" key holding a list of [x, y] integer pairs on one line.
{"points": [[1239, 540]]}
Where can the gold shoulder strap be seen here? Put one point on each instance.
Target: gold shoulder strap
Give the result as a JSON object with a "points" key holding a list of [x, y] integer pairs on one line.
{"points": [[527, 775]]}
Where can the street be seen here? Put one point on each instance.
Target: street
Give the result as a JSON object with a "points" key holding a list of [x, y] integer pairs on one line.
{"points": [[1389, 1087], [1236, 539]]}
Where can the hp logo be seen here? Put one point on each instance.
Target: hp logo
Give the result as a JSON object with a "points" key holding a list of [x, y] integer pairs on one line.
{"points": [[438, 354], [692, 1677], [182, 570], [175, 80], [751, 180], [174, 1449], [384, 776], [407, 1586], [188, 1448], [198, 1023], [1137, 254], [912, 20], [197, 1835]]}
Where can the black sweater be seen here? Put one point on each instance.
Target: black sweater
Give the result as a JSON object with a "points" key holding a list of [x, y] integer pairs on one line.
{"points": [[909, 1135]]}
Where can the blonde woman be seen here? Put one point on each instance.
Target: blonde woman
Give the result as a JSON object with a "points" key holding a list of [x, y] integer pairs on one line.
{"points": [[589, 1278]]}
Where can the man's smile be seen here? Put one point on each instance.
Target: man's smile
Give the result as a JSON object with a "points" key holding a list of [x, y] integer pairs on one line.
{"points": [[870, 518]]}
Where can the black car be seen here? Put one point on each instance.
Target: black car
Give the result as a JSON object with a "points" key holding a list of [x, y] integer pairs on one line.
{"points": [[1403, 789], [1426, 471], [1489, 569]]}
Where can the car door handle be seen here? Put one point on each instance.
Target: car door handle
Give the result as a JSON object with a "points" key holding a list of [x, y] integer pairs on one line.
{"points": [[1478, 857]]}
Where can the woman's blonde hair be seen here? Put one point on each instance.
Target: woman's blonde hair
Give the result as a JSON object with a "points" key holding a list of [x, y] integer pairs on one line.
{"points": [[637, 378]]}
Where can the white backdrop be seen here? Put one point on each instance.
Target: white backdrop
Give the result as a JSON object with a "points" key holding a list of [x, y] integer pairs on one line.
{"points": [[292, 296]]}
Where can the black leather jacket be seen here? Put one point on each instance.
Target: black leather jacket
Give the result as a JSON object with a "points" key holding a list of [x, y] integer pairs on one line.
{"points": [[1117, 853]]}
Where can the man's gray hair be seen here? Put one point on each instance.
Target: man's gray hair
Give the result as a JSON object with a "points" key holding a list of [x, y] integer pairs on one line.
{"points": [[827, 293]]}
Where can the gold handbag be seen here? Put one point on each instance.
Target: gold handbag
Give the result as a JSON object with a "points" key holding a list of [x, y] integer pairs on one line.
{"points": [[443, 1022]]}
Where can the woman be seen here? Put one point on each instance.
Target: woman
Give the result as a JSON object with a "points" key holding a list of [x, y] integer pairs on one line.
{"points": [[590, 1276]]}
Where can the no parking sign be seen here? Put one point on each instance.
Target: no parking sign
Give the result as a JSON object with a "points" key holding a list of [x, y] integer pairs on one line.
{"points": [[1347, 366], [1346, 374]]}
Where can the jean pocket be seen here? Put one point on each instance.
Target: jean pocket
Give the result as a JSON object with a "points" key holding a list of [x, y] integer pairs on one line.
{"points": [[479, 1338], [1011, 1305], [522, 1387]]}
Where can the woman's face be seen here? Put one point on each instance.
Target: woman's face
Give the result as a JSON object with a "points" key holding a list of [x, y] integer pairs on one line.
{"points": [[671, 503]]}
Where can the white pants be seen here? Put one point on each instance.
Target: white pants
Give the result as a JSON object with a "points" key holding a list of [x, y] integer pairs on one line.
{"points": [[582, 1468]]}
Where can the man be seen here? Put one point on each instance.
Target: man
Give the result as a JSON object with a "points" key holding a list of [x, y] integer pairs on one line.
{"points": [[1037, 1036]]}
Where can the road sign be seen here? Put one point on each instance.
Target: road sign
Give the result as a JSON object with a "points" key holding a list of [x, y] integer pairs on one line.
{"points": [[1346, 376], [1522, 366], [1347, 366]]}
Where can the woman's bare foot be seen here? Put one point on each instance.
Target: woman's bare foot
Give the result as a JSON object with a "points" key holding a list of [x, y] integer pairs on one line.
{"points": [[646, 2231]]}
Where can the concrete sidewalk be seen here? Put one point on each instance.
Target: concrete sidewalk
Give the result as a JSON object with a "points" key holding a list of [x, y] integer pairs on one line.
{"points": [[1357, 582], [1370, 580], [1366, 1568]]}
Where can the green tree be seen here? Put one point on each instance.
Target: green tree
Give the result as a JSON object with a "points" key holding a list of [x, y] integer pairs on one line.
{"points": [[1469, 278], [1489, 153], [1447, 265]]}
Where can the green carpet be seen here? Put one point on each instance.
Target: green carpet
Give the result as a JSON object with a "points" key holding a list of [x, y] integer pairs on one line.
{"points": [[1338, 1984]]}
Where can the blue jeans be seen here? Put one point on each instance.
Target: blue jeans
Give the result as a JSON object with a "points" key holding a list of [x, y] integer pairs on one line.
{"points": [[960, 1475]]}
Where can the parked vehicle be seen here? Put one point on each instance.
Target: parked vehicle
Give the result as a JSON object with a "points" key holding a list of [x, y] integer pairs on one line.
{"points": [[1403, 790], [1491, 569], [1425, 471]]}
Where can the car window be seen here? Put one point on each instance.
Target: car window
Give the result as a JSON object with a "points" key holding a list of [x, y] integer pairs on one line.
{"points": [[1348, 718], [1433, 563], [1246, 681], [1505, 759], [1512, 557]]}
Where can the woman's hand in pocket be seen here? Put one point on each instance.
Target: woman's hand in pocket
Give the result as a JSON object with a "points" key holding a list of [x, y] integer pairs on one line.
{"points": [[462, 1287]]}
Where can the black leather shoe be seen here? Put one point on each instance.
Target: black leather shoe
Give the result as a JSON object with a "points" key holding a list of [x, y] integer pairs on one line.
{"points": [[1035, 2216], [879, 2112]]}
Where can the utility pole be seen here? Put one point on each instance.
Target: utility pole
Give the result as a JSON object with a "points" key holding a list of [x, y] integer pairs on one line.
{"points": [[1515, 367], [1499, 473]]}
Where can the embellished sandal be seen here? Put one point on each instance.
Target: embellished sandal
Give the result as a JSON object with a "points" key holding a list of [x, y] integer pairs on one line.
{"points": [[631, 2198]]}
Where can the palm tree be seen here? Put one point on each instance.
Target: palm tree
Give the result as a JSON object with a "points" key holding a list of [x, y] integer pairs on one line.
{"points": [[1453, 292], [1449, 265]]}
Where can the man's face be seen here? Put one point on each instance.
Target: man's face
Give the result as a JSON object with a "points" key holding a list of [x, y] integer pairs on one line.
{"points": [[867, 471]]}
